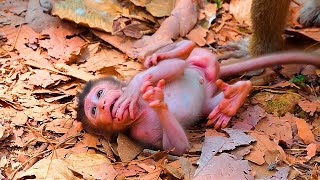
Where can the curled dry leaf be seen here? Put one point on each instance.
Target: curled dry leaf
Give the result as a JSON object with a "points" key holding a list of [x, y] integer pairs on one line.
{"points": [[311, 150], [310, 107], [304, 131]]}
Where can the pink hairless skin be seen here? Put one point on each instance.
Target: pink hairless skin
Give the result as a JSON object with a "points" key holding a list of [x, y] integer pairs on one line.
{"points": [[180, 86]]}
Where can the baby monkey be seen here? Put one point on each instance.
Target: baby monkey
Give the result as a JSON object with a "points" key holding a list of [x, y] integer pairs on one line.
{"points": [[180, 86]]}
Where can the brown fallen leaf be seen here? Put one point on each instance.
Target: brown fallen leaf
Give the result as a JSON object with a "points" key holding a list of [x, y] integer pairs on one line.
{"points": [[20, 119], [312, 33], [282, 173], [127, 148], [103, 58], [37, 19], [188, 168], [214, 144], [91, 166], [4, 132], [276, 127], [241, 10], [91, 140], [71, 71], [304, 131], [224, 166], [41, 78], [263, 143], [291, 69], [311, 150], [50, 169], [198, 35], [173, 169], [250, 118], [310, 107], [59, 44], [157, 8]]}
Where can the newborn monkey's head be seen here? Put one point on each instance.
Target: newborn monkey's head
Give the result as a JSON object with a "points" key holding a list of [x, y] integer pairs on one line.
{"points": [[95, 105]]}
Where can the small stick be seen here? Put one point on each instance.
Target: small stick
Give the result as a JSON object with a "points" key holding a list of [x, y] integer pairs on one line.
{"points": [[15, 41]]}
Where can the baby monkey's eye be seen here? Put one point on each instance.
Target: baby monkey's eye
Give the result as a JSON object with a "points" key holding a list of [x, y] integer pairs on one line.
{"points": [[99, 93], [94, 110]]}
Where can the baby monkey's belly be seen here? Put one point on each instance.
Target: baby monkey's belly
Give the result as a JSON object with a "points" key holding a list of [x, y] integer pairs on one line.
{"points": [[185, 97]]}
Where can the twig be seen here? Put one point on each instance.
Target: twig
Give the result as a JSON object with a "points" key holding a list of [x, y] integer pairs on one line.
{"points": [[11, 176], [34, 160], [235, 30], [15, 41]]}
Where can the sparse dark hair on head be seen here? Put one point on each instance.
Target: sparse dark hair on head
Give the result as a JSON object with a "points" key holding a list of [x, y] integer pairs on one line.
{"points": [[81, 116]]}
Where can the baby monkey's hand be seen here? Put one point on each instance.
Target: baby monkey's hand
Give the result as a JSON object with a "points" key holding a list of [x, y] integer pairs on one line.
{"points": [[154, 94]]}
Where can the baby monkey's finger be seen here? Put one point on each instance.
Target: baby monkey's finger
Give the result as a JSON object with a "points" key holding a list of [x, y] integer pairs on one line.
{"points": [[148, 95], [155, 104], [146, 85], [161, 83]]}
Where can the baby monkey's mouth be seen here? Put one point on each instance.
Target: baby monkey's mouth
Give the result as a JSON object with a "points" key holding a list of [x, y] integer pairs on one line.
{"points": [[112, 105]]}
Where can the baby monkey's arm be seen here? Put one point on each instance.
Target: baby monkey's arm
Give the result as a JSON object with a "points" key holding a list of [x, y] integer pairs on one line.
{"points": [[167, 70], [173, 136]]}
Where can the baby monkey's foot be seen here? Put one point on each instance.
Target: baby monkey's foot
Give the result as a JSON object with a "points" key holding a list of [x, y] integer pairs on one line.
{"points": [[234, 96], [237, 49], [154, 94]]}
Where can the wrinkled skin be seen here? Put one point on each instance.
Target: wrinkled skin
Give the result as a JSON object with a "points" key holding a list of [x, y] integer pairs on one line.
{"points": [[173, 93]]}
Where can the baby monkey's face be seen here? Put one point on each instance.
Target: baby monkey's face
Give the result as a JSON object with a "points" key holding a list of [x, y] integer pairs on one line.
{"points": [[98, 105]]}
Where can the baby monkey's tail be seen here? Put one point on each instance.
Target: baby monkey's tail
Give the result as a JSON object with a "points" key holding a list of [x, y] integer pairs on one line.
{"points": [[268, 61]]}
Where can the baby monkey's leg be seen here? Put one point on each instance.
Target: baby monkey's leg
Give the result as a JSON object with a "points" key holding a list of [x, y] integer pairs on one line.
{"points": [[228, 103], [179, 50]]}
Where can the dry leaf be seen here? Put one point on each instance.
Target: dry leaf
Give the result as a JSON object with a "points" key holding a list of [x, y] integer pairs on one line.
{"points": [[241, 10], [310, 107], [91, 140], [224, 166], [74, 72], [304, 131], [50, 169], [198, 35], [102, 59], [127, 148], [160, 8], [20, 119], [187, 168], [278, 128], [282, 173], [91, 166], [250, 118], [311, 150], [258, 152], [41, 78], [61, 44], [37, 19], [214, 144]]}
